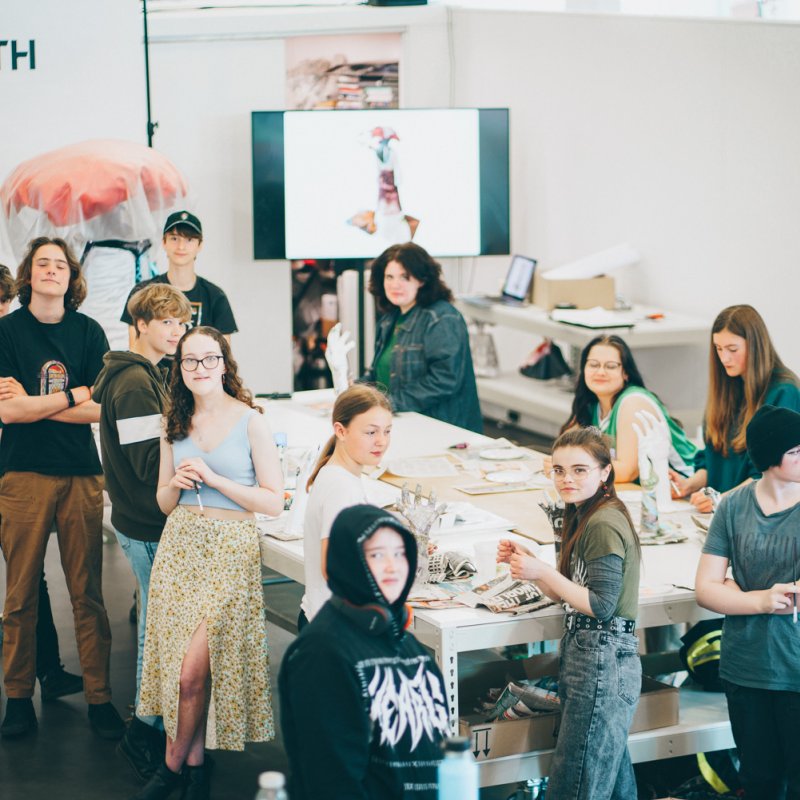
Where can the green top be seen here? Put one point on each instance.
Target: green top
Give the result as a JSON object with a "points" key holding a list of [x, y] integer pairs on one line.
{"points": [[727, 472], [607, 533], [383, 366], [682, 451]]}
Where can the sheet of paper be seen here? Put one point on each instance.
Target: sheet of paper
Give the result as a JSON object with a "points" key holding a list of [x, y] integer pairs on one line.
{"points": [[597, 317], [439, 467], [380, 494]]}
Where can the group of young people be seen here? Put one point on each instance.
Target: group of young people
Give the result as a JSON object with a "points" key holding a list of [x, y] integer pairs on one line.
{"points": [[188, 459], [751, 454]]}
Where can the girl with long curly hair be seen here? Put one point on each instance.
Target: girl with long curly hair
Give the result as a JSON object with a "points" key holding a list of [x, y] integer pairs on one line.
{"points": [[205, 659]]}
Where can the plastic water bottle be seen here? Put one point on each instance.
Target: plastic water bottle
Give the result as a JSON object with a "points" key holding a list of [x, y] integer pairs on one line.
{"points": [[272, 786], [458, 772]]}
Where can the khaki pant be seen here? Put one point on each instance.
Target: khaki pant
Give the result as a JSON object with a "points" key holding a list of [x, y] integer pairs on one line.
{"points": [[29, 505]]}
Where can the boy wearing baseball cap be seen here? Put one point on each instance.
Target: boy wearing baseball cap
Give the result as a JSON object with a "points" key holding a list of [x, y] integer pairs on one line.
{"points": [[183, 240]]}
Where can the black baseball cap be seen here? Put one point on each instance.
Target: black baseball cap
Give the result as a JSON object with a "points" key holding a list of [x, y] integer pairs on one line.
{"points": [[182, 218]]}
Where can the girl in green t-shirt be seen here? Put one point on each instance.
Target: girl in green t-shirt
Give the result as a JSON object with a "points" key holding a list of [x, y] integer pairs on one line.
{"points": [[609, 392], [597, 581]]}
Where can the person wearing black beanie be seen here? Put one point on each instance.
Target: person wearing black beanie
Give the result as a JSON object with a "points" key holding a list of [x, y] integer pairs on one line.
{"points": [[756, 531], [363, 705], [772, 432]]}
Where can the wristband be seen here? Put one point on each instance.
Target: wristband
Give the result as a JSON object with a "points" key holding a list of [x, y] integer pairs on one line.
{"points": [[70, 398]]}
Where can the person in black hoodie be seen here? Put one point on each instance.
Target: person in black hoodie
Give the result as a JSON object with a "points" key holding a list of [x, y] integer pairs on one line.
{"points": [[363, 706]]}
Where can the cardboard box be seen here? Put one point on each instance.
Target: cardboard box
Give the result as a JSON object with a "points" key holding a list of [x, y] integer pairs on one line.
{"points": [[658, 708], [582, 293]]}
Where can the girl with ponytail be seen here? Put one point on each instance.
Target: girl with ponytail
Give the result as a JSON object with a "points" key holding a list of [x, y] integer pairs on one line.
{"points": [[597, 581], [362, 425]]}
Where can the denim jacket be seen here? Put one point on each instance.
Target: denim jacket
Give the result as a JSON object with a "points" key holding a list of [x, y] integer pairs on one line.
{"points": [[431, 365]]}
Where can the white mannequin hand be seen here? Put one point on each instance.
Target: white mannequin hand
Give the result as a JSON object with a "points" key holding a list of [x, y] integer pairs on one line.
{"points": [[339, 345], [654, 440]]}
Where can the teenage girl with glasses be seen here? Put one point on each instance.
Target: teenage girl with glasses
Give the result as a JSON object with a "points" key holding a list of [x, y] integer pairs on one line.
{"points": [[609, 392], [205, 665], [597, 581]]}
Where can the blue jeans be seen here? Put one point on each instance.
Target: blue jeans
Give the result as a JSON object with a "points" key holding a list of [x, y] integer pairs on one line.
{"points": [[600, 680], [141, 556]]}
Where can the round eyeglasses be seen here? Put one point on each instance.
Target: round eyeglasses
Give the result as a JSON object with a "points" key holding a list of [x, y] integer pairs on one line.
{"points": [[578, 473], [208, 362]]}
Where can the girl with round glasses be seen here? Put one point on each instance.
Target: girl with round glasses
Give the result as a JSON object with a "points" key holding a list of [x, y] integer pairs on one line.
{"points": [[597, 581], [205, 665], [609, 392]]}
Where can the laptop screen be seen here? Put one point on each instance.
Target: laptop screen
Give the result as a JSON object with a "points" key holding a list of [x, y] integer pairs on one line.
{"points": [[519, 277]]}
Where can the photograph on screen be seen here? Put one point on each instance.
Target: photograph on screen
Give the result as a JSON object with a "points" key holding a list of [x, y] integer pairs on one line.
{"points": [[355, 185]]}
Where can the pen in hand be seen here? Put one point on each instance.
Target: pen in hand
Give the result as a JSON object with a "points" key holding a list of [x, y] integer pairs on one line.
{"points": [[199, 499]]}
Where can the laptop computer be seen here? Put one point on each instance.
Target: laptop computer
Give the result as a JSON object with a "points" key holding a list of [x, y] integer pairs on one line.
{"points": [[515, 288]]}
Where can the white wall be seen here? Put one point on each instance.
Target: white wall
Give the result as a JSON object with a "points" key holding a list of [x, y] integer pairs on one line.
{"points": [[88, 82], [209, 72], [677, 136]]}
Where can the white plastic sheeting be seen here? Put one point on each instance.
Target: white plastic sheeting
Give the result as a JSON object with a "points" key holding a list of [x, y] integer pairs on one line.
{"points": [[94, 190]]}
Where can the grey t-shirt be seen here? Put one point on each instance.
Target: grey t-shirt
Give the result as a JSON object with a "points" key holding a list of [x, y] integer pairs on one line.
{"points": [[761, 651]]}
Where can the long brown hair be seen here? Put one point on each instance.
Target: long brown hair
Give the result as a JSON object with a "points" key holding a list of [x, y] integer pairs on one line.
{"points": [[356, 400], [180, 408], [76, 291], [592, 442], [732, 402]]}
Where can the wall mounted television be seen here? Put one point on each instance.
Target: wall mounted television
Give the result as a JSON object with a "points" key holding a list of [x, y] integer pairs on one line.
{"points": [[347, 184]]}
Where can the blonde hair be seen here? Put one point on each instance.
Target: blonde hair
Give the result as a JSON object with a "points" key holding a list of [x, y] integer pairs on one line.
{"points": [[158, 301], [732, 402], [351, 403]]}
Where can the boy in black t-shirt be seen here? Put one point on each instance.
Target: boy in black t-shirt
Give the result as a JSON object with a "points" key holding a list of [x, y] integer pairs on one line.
{"points": [[50, 356], [183, 240], [54, 679]]}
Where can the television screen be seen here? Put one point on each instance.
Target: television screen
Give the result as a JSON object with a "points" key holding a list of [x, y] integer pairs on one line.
{"points": [[347, 184]]}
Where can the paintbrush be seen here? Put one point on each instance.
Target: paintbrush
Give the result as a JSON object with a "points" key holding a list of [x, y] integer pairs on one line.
{"points": [[199, 499]]}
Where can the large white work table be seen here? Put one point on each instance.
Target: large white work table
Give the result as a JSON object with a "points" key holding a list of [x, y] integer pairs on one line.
{"points": [[666, 597]]}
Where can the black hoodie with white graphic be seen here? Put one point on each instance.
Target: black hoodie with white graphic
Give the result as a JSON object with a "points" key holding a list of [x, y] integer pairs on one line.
{"points": [[363, 707]]}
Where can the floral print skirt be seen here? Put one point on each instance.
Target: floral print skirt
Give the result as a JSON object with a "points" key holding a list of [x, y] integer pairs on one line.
{"points": [[209, 570]]}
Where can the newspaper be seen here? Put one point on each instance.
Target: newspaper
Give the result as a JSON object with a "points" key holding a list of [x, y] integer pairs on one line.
{"points": [[505, 594]]}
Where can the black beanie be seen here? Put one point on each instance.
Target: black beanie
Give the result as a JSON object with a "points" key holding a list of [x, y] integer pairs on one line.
{"points": [[772, 432]]}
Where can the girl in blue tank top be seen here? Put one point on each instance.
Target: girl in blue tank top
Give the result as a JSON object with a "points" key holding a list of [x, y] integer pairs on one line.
{"points": [[205, 648]]}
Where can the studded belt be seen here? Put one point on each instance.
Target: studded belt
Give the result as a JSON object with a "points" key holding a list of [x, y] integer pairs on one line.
{"points": [[582, 622]]}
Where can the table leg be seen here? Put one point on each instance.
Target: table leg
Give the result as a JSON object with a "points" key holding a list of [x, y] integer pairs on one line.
{"points": [[446, 655]]}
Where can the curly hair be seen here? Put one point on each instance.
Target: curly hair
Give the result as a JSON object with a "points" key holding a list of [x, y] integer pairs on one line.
{"points": [[8, 286], [417, 263], [180, 408], [76, 291]]}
